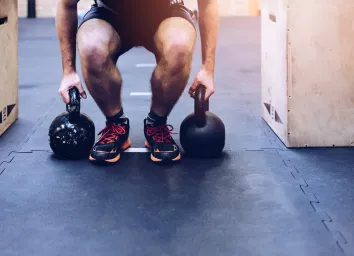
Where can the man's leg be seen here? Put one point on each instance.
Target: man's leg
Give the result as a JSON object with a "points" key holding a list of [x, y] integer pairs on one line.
{"points": [[174, 44], [99, 45]]}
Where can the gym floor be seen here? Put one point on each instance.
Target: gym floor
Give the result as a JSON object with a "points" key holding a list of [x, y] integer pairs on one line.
{"points": [[259, 199]]}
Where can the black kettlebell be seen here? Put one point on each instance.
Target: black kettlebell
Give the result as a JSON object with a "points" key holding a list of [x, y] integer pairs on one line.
{"points": [[202, 133], [72, 134]]}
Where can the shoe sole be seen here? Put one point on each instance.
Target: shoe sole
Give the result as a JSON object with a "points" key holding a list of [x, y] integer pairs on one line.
{"points": [[157, 160], [125, 146]]}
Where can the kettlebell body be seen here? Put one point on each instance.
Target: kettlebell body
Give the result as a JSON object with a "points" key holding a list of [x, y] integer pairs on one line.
{"points": [[202, 133], [72, 134], [207, 141]]}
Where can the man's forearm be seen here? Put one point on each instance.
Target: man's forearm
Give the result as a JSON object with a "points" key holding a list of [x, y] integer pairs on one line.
{"points": [[66, 24], [209, 28]]}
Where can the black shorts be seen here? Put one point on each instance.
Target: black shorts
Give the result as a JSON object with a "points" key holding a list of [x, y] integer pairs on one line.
{"points": [[137, 28]]}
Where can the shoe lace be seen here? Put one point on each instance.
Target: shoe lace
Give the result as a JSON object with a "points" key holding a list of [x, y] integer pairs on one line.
{"points": [[161, 133], [111, 133]]}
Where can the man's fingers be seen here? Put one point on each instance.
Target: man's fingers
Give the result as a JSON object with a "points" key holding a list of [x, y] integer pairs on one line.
{"points": [[193, 88], [83, 95], [81, 90], [208, 93], [65, 96]]}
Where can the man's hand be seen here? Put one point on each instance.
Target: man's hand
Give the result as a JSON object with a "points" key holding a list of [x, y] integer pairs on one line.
{"points": [[206, 79], [69, 81]]}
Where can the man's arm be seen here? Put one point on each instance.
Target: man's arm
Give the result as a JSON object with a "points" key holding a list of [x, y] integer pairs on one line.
{"points": [[66, 24], [209, 28]]}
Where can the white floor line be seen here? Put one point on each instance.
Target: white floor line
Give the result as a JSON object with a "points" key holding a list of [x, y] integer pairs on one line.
{"points": [[140, 94], [137, 150], [146, 65]]}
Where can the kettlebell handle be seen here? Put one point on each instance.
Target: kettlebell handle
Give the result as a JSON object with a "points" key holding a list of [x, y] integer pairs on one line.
{"points": [[200, 105], [73, 107]]}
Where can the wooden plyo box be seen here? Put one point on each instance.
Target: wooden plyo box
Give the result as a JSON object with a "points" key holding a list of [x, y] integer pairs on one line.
{"points": [[308, 71], [8, 64]]}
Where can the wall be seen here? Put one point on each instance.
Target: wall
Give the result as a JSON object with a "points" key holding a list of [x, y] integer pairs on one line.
{"points": [[46, 8], [226, 7]]}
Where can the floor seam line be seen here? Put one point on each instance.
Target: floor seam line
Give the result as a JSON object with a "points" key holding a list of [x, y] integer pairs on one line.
{"points": [[326, 219], [38, 123]]}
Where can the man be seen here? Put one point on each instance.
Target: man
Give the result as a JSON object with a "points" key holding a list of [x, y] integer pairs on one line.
{"points": [[113, 27]]}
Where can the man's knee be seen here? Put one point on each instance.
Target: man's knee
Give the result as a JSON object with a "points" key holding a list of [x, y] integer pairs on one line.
{"points": [[96, 49], [178, 52], [93, 54]]}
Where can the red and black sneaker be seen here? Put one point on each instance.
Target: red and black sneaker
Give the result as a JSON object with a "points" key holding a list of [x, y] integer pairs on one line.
{"points": [[160, 142], [114, 138]]}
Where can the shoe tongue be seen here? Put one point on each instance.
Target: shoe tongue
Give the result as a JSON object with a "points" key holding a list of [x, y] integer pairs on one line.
{"points": [[162, 124], [118, 121], [156, 123]]}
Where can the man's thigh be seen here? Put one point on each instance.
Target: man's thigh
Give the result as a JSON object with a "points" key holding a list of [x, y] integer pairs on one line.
{"points": [[100, 29]]}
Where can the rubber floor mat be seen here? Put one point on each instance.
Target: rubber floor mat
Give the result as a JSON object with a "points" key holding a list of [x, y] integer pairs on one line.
{"points": [[246, 203]]}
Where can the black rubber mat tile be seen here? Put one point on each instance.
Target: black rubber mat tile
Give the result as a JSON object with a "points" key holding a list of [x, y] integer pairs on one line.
{"points": [[330, 176], [5, 150], [244, 204]]}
